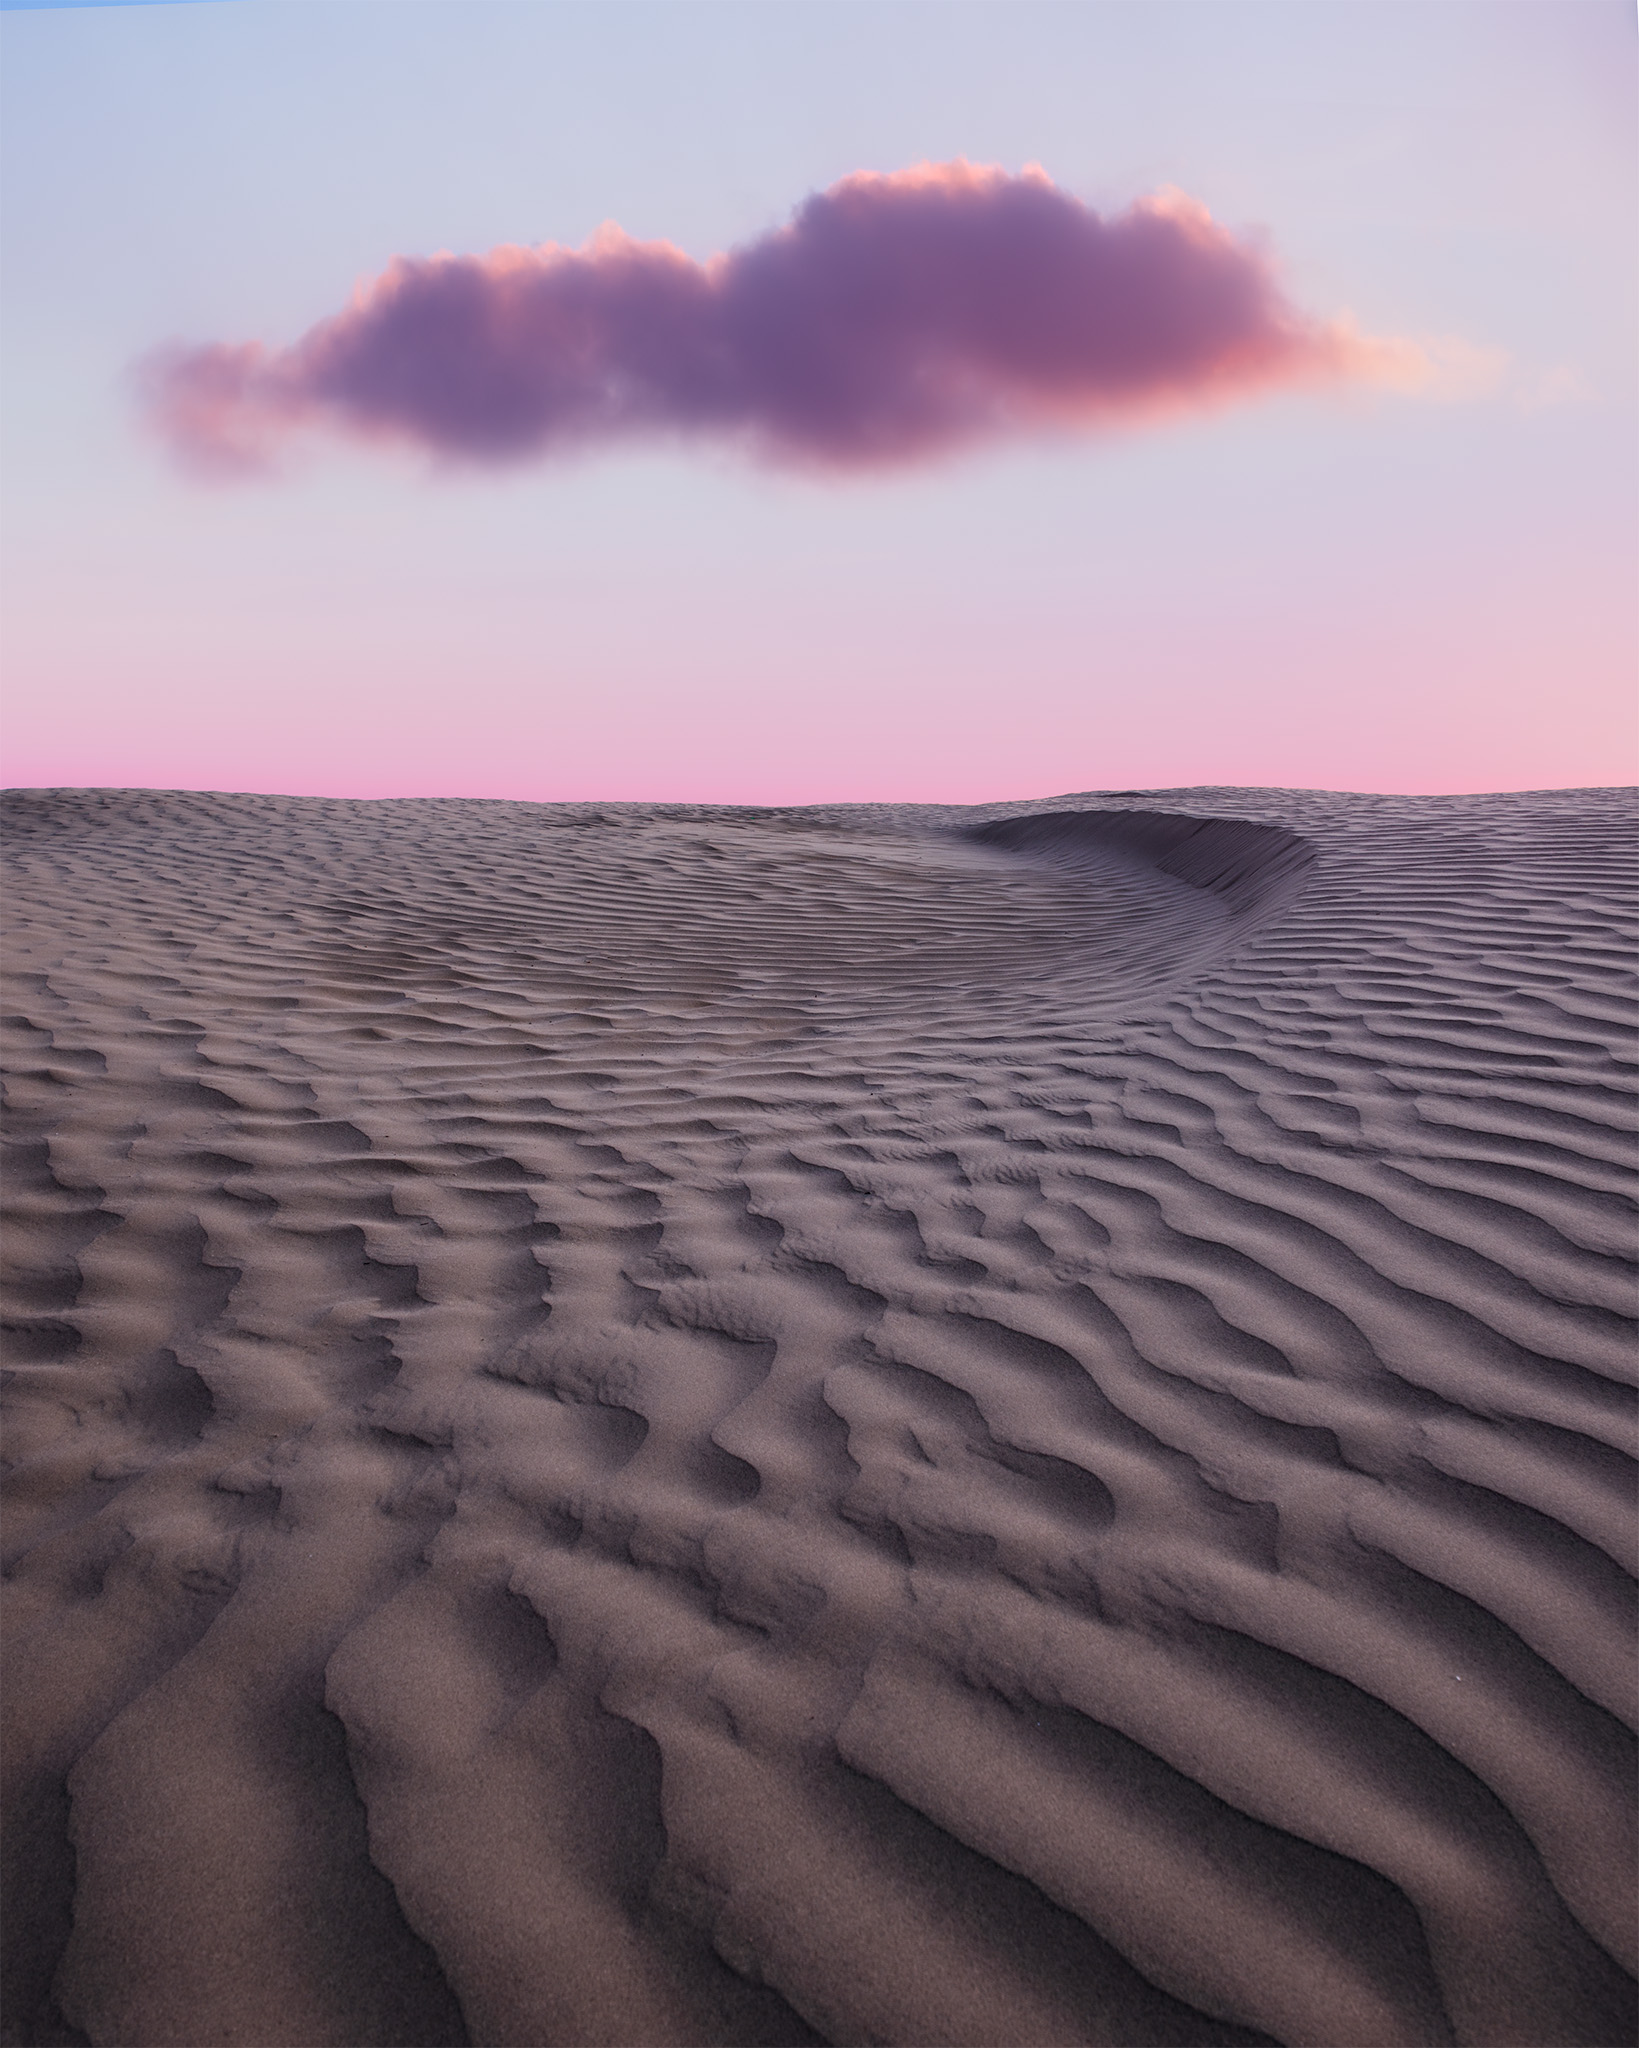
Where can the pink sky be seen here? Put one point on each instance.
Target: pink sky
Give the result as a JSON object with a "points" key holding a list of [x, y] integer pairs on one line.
{"points": [[718, 508]]}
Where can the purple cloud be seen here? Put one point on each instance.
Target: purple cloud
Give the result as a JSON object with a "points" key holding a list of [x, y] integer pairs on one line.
{"points": [[894, 319]]}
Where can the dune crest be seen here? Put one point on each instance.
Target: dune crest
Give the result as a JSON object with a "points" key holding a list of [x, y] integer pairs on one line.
{"points": [[906, 1424]]}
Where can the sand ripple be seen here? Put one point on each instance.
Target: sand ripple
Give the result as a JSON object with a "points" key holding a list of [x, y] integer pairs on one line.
{"points": [[649, 1425]]}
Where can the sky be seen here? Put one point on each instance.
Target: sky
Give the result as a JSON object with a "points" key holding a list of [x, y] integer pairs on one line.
{"points": [[753, 401]]}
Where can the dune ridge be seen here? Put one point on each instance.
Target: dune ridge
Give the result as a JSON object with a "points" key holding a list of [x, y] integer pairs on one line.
{"points": [[869, 1424]]}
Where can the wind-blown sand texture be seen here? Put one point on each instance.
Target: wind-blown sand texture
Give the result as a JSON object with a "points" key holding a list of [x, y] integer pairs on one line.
{"points": [[902, 1425]]}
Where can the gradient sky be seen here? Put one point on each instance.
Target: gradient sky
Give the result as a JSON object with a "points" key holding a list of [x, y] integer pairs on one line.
{"points": [[1352, 587]]}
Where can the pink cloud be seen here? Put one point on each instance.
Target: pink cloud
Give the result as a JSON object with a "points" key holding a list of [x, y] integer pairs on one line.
{"points": [[894, 319]]}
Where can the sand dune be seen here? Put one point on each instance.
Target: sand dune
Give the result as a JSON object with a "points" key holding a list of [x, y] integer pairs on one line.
{"points": [[646, 1425]]}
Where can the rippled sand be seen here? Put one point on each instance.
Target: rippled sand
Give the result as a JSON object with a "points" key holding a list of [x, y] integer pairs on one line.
{"points": [[880, 1425]]}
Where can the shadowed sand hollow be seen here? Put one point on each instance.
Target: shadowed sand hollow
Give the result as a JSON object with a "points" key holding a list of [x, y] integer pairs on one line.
{"points": [[643, 1424]]}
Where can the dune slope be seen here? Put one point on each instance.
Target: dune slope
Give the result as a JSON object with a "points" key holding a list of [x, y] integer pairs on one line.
{"points": [[906, 1425]]}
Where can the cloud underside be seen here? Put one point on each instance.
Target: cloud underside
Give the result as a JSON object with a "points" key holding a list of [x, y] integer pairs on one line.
{"points": [[894, 319]]}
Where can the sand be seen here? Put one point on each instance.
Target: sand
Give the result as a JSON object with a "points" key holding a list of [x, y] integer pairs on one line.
{"points": [[903, 1425]]}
